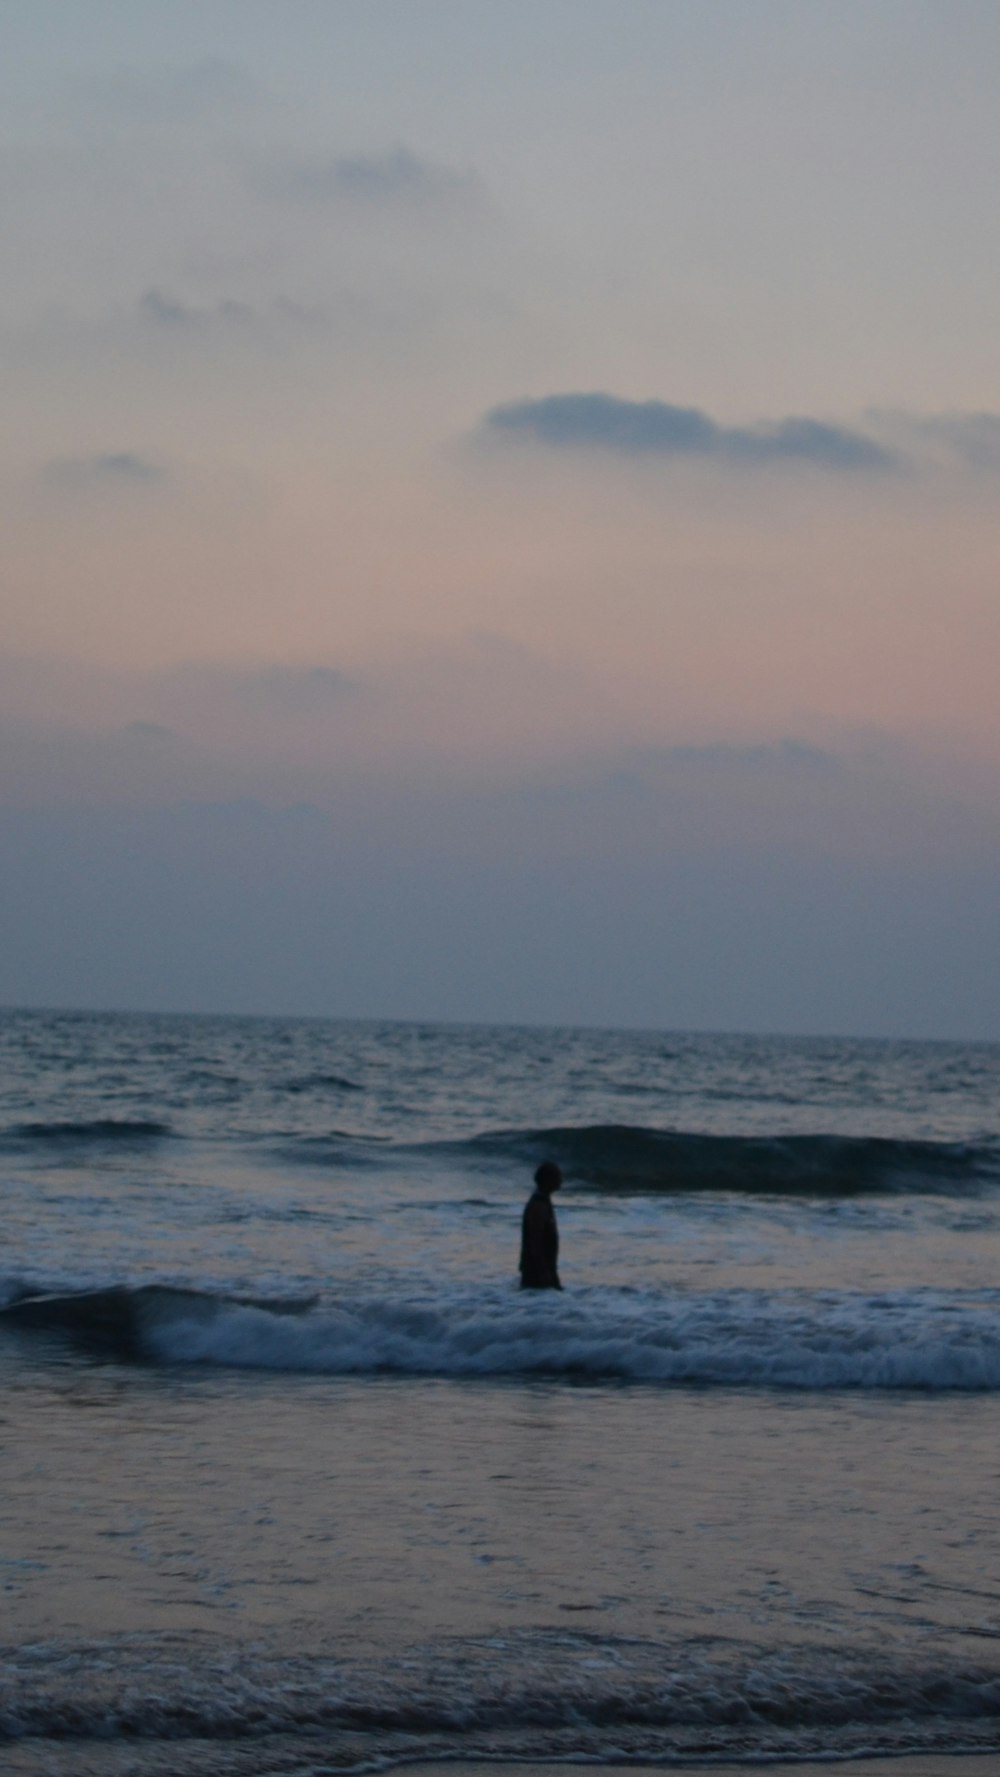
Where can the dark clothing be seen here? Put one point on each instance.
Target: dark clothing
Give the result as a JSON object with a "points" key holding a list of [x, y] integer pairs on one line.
{"points": [[539, 1244]]}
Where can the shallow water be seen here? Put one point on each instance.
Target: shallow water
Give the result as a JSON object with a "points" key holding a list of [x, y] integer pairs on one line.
{"points": [[732, 1494]]}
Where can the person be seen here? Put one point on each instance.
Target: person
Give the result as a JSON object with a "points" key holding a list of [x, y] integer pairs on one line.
{"points": [[539, 1233]]}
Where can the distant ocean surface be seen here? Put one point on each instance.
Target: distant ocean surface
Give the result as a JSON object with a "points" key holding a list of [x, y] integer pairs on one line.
{"points": [[294, 1479]]}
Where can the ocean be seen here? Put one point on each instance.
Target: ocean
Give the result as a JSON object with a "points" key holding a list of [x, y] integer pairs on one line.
{"points": [[294, 1479]]}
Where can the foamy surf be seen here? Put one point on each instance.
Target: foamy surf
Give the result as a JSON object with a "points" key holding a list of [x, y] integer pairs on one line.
{"points": [[729, 1339]]}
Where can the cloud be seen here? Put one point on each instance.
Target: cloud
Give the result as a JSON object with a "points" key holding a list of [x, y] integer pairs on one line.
{"points": [[165, 312], [169, 311], [974, 438], [72, 733], [198, 700], [397, 180], [121, 468], [789, 754], [657, 429], [291, 689], [168, 701], [723, 769], [173, 93]]}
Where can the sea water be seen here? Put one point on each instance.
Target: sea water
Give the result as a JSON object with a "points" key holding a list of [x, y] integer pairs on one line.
{"points": [[294, 1479]]}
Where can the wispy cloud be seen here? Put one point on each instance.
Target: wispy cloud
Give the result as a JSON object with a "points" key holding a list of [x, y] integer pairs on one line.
{"points": [[105, 469], [190, 731], [657, 429], [162, 310], [296, 690], [394, 181], [974, 438], [786, 754]]}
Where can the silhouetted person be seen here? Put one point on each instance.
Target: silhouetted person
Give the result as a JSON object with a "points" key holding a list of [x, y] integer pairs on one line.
{"points": [[539, 1233]]}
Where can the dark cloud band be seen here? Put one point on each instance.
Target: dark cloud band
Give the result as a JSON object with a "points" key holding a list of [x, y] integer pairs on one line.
{"points": [[120, 468], [655, 428]]}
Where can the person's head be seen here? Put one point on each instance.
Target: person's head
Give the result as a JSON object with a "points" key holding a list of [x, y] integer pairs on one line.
{"points": [[548, 1178]]}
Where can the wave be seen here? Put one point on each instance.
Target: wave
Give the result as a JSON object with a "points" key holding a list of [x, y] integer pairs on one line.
{"points": [[132, 1322], [97, 1131], [341, 1150], [631, 1159], [532, 1695], [322, 1083], [624, 1158], [920, 1340]]}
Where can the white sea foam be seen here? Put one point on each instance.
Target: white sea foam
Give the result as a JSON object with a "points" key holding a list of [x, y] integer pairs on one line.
{"points": [[918, 1340]]}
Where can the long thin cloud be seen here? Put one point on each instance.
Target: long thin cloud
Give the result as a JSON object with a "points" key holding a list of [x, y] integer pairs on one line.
{"points": [[395, 180], [655, 428], [119, 468]]}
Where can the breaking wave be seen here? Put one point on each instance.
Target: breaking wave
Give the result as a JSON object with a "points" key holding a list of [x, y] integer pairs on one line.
{"points": [[795, 1340]]}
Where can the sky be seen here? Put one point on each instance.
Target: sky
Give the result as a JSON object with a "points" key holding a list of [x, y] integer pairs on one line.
{"points": [[501, 511]]}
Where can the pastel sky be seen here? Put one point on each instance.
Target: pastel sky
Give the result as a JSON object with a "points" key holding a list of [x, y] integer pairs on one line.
{"points": [[501, 510]]}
